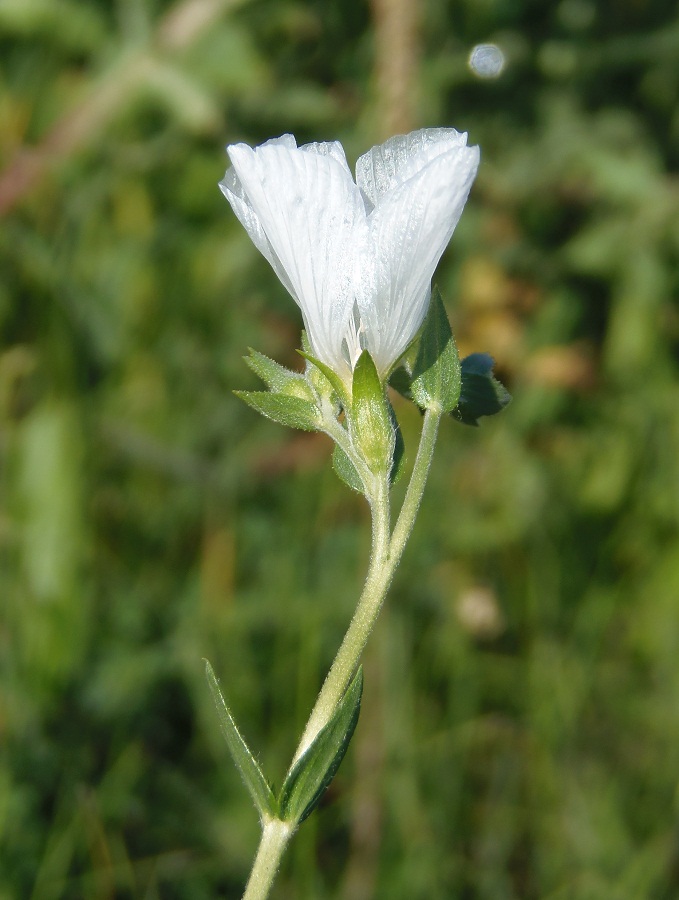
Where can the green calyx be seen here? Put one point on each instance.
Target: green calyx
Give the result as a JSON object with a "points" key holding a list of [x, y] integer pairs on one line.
{"points": [[370, 423], [290, 399], [358, 416]]}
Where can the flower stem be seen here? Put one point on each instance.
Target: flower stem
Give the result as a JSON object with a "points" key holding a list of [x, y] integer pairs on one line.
{"points": [[274, 840], [418, 480], [349, 653], [384, 558], [386, 551]]}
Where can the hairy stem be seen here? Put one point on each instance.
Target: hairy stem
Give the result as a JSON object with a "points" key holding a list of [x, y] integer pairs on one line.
{"points": [[374, 590], [386, 551], [275, 838]]}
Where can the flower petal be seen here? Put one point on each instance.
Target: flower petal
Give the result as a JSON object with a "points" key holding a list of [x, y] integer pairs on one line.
{"points": [[329, 148], [387, 165], [310, 214], [234, 192], [410, 228]]}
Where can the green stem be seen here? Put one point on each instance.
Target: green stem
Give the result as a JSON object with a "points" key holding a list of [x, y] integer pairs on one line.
{"points": [[384, 558], [375, 587], [275, 838], [385, 555], [418, 480]]}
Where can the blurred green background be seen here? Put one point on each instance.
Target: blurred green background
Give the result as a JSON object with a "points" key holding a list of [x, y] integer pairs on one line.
{"points": [[520, 732]]}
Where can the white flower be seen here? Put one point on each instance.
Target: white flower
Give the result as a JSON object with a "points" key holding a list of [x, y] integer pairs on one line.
{"points": [[357, 257]]}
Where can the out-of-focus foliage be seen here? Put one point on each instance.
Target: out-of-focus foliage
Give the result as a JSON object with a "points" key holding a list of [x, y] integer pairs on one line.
{"points": [[520, 728]]}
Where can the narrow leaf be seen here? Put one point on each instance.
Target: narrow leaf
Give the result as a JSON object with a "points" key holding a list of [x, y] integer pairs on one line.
{"points": [[291, 411], [251, 774], [436, 374], [346, 470], [369, 419], [306, 782], [482, 394]]}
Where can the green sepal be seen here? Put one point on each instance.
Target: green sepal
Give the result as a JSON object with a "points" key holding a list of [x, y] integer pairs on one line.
{"points": [[306, 343], [291, 411], [346, 470], [370, 424], [247, 765], [335, 381], [436, 377], [400, 380], [307, 780], [482, 394], [275, 376]]}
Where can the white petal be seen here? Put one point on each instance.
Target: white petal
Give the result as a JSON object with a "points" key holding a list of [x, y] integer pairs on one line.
{"points": [[233, 190], [285, 140], [387, 165], [410, 228], [310, 212], [329, 148]]}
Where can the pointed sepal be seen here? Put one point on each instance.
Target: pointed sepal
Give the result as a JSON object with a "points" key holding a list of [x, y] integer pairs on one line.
{"points": [[482, 394], [308, 778], [295, 412], [400, 380], [370, 425], [247, 765], [436, 377], [346, 470], [275, 376], [334, 382]]}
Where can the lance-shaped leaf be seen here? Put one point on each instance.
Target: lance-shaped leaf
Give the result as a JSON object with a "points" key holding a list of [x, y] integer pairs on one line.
{"points": [[482, 394], [370, 422], [252, 775], [436, 377], [291, 411], [307, 780]]}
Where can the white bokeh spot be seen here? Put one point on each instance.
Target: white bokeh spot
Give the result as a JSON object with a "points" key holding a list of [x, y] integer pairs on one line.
{"points": [[487, 61]]}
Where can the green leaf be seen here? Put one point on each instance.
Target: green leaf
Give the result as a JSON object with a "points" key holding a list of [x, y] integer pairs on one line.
{"points": [[252, 775], [291, 411], [482, 394], [307, 780], [346, 470], [436, 374], [370, 424]]}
